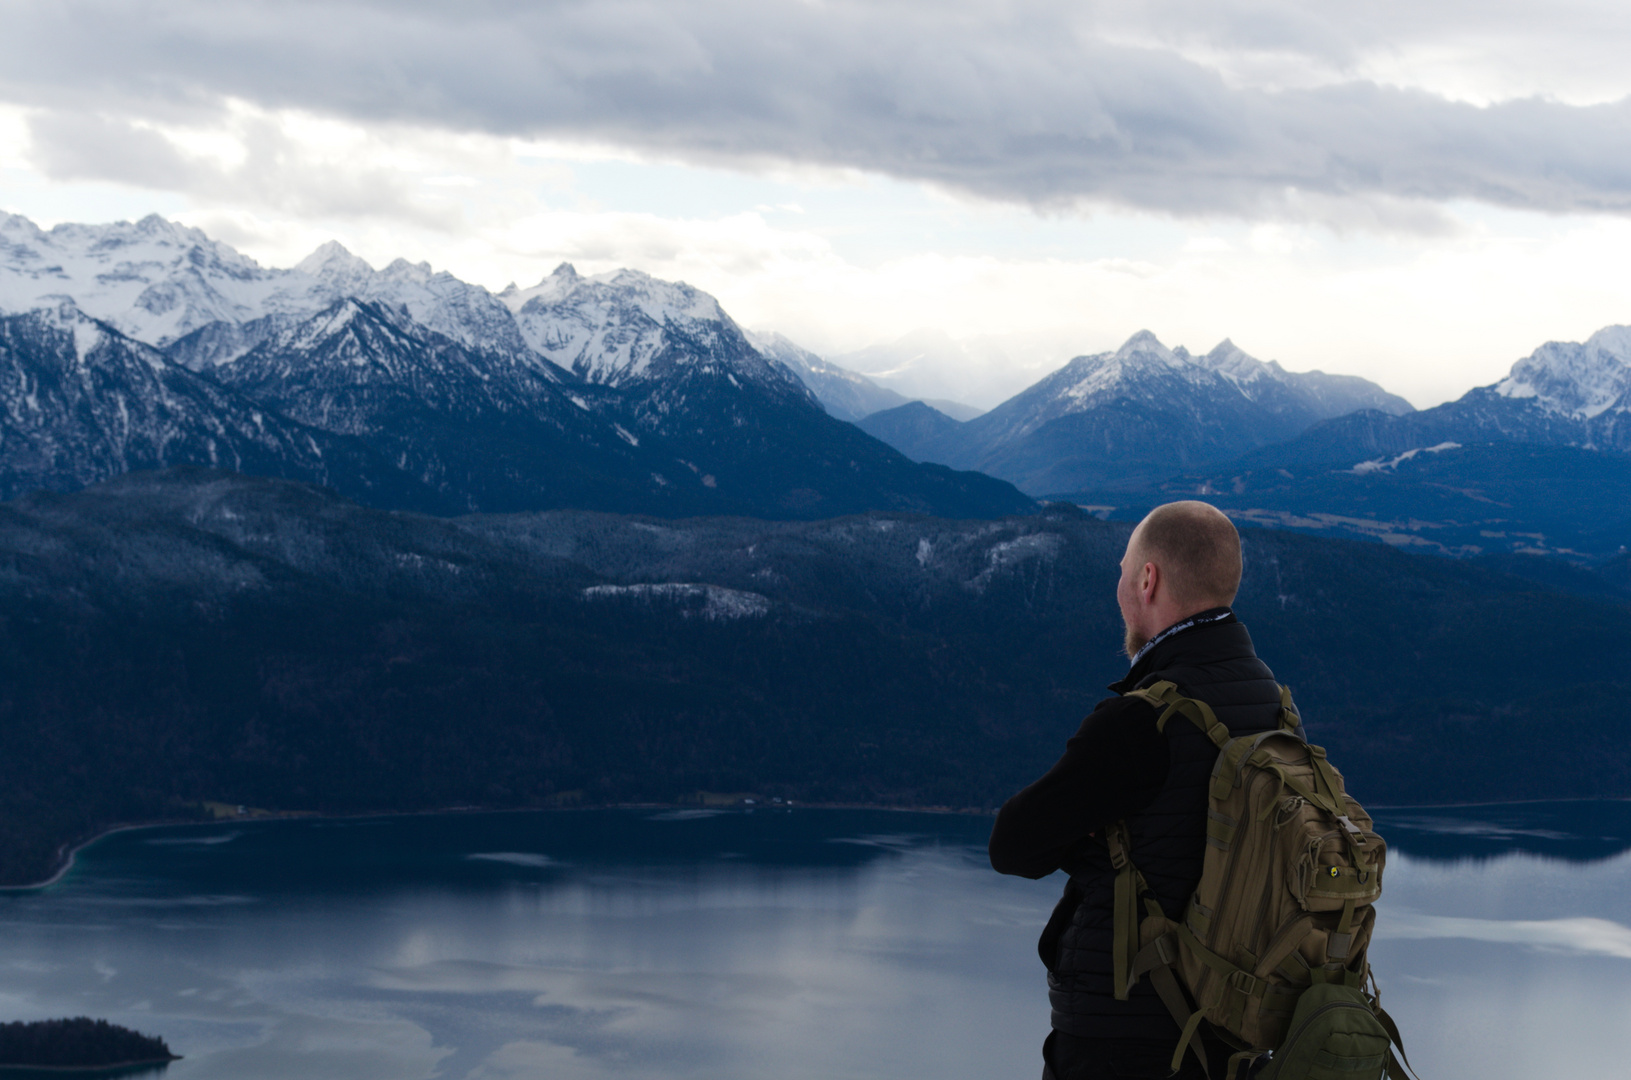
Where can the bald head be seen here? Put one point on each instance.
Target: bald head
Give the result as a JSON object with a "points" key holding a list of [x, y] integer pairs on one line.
{"points": [[1198, 550]]}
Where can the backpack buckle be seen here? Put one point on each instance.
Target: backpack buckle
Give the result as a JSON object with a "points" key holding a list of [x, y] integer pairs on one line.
{"points": [[1117, 842], [1244, 981]]}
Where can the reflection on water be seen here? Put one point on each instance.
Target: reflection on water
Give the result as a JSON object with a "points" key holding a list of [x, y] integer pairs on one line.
{"points": [[1579, 830], [737, 944]]}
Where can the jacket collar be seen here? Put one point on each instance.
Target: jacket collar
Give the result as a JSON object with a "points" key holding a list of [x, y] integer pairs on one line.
{"points": [[1170, 644]]}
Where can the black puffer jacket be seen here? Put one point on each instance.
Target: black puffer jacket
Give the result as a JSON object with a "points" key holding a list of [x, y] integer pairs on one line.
{"points": [[1217, 664]]}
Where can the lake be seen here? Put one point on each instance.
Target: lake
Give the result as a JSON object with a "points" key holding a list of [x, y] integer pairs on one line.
{"points": [[765, 943]]}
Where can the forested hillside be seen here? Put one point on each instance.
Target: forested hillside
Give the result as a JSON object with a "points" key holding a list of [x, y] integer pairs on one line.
{"points": [[173, 638]]}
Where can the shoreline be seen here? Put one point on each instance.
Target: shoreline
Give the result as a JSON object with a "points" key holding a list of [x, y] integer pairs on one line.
{"points": [[73, 853], [93, 1069], [62, 872]]}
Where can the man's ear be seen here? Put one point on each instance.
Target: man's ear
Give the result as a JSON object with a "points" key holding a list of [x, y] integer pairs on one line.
{"points": [[1150, 582]]}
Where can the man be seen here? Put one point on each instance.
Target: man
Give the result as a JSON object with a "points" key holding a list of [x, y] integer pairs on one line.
{"points": [[1178, 580]]}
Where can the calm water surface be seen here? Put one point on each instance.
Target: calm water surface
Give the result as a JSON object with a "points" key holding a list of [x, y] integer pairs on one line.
{"points": [[769, 944]]}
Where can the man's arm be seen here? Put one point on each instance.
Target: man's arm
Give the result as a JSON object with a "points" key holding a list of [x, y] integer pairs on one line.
{"points": [[1113, 766]]}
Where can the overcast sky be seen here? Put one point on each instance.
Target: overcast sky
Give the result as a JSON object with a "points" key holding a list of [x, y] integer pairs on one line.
{"points": [[1416, 192]]}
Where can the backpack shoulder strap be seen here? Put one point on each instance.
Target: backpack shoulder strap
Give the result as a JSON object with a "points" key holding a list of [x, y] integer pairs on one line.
{"points": [[1291, 719], [1166, 698]]}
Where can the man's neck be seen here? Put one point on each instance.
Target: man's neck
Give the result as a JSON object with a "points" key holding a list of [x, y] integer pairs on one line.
{"points": [[1201, 618]]}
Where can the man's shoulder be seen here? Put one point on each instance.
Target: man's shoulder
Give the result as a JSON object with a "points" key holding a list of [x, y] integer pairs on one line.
{"points": [[1121, 704], [1115, 717]]}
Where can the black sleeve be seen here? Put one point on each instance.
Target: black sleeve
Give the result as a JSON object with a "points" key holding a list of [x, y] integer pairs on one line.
{"points": [[1113, 766]]}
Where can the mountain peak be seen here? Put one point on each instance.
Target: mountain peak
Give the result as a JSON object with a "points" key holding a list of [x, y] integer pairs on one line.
{"points": [[553, 287], [1582, 380], [19, 226], [404, 270], [333, 260], [1146, 343], [1144, 339], [1614, 340], [62, 310], [666, 301], [1235, 363], [348, 317], [154, 228]]}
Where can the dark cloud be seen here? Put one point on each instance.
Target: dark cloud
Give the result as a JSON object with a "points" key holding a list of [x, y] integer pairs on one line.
{"points": [[1029, 102], [83, 146], [274, 171]]}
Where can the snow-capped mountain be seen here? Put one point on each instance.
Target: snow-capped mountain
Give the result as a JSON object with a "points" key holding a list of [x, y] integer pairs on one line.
{"points": [[468, 314], [1138, 410], [846, 394], [1583, 381], [481, 431], [688, 375], [739, 420], [627, 329], [80, 402], [1322, 395], [1145, 368], [348, 367], [1562, 394], [217, 343], [153, 280], [406, 387], [158, 282], [1535, 464]]}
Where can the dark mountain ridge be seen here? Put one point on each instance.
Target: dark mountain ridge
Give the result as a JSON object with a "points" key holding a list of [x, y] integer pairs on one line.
{"points": [[1504, 498]]}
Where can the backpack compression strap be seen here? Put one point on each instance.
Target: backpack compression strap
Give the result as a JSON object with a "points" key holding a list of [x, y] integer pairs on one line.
{"points": [[1129, 961]]}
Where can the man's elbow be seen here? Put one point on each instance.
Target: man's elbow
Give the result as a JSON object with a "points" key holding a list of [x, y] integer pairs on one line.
{"points": [[1007, 857], [1004, 863]]}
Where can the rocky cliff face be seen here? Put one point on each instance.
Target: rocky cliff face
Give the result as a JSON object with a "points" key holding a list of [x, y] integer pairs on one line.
{"points": [[80, 402]]}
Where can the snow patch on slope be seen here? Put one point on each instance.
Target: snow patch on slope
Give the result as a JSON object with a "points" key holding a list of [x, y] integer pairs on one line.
{"points": [[711, 602], [1389, 464], [1008, 555]]}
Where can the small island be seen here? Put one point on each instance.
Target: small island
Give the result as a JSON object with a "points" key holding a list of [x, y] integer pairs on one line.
{"points": [[79, 1044]]}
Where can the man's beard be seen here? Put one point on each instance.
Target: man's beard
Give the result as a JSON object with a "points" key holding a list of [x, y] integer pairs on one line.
{"points": [[1133, 642]]}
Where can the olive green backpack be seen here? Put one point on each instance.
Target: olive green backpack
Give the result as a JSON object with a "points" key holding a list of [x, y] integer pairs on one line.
{"points": [[1271, 948]]}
